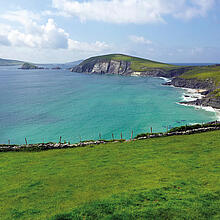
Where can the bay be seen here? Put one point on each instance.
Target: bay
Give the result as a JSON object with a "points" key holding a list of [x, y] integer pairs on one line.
{"points": [[43, 105]]}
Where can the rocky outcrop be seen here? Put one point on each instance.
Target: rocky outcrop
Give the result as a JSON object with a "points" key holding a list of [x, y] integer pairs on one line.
{"points": [[192, 83], [104, 67], [208, 85], [208, 100], [29, 66]]}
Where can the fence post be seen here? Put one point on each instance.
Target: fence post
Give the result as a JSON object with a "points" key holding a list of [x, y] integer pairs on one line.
{"points": [[112, 136], [151, 130], [8, 142], [100, 137], [25, 140], [121, 135], [60, 139], [132, 135]]}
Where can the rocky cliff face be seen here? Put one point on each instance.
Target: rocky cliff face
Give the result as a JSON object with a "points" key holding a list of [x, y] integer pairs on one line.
{"points": [[123, 68], [104, 67]]}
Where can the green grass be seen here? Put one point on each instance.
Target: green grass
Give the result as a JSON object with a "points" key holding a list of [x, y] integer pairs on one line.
{"points": [[137, 64], [164, 178], [203, 73]]}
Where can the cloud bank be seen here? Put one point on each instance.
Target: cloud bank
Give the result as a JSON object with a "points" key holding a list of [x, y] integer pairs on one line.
{"points": [[29, 33], [133, 11]]}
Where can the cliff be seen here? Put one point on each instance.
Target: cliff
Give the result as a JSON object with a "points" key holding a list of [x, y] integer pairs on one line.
{"points": [[127, 65], [104, 67]]}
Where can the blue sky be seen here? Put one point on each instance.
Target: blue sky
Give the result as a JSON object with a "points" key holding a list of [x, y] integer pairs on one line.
{"points": [[54, 31]]}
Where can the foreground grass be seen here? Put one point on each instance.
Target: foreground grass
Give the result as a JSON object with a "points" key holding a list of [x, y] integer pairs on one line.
{"points": [[165, 178]]}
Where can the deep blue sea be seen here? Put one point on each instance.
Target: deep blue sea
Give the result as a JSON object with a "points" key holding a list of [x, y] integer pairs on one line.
{"points": [[43, 105]]}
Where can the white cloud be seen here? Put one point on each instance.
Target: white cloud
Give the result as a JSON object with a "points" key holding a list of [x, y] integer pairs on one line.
{"points": [[47, 36], [139, 40], [37, 36], [133, 11], [88, 47]]}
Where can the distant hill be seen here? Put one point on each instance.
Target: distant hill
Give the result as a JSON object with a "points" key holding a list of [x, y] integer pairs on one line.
{"points": [[6, 62], [125, 65], [61, 65]]}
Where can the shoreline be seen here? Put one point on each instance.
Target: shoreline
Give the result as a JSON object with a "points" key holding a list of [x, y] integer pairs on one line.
{"points": [[195, 94], [189, 95]]}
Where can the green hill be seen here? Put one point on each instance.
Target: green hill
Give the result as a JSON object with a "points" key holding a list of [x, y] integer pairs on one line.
{"points": [[164, 178], [5, 62], [137, 64]]}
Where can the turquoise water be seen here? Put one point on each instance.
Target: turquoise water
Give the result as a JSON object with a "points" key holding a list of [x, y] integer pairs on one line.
{"points": [[43, 105]]}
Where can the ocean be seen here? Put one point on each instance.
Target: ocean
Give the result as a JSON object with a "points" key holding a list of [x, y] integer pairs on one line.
{"points": [[42, 105]]}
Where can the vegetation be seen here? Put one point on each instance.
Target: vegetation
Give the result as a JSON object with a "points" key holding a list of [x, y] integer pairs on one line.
{"points": [[164, 178], [203, 73], [137, 64], [216, 93], [29, 66], [196, 126]]}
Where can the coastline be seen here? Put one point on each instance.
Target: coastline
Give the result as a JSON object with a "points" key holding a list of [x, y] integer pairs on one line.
{"points": [[189, 95]]}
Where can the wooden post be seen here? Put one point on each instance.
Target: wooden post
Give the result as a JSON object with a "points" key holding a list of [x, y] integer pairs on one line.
{"points": [[132, 135], [60, 139], [151, 130], [121, 135], [112, 136], [8, 142], [25, 140]]}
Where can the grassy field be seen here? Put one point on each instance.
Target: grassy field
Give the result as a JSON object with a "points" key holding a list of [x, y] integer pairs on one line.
{"points": [[137, 64], [164, 178]]}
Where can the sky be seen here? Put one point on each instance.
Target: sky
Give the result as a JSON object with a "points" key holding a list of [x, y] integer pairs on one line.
{"points": [[59, 31]]}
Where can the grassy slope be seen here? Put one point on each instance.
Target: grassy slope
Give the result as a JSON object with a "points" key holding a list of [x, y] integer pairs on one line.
{"points": [[4, 62], [204, 73], [163, 178], [137, 64]]}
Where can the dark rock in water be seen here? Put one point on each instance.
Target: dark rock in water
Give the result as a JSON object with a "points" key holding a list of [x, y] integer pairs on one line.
{"points": [[56, 68], [28, 66]]}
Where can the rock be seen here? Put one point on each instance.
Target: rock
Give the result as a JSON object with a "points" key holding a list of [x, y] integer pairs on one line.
{"points": [[28, 66]]}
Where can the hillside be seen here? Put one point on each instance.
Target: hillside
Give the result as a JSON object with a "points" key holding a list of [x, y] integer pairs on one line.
{"points": [[5, 62], [137, 64], [164, 178], [126, 65]]}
